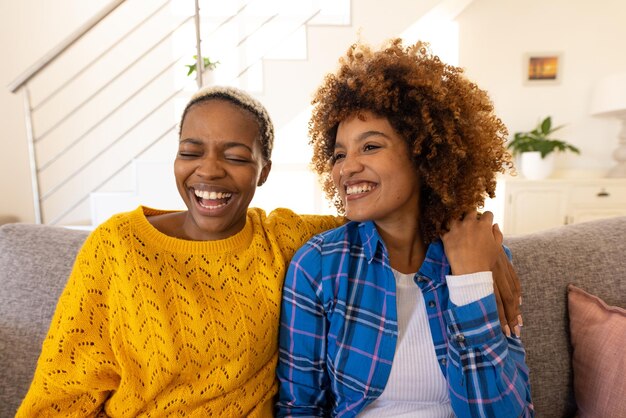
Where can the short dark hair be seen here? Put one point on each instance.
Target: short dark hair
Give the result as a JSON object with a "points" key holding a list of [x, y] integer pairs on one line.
{"points": [[244, 100]]}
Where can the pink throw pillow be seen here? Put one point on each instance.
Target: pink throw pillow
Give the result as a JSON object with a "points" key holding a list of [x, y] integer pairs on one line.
{"points": [[598, 336]]}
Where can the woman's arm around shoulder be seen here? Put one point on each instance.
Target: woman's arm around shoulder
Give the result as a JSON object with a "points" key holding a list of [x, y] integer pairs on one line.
{"points": [[486, 370], [292, 230]]}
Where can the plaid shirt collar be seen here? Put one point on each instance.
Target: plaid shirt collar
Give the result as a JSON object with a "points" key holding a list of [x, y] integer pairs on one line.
{"points": [[435, 266]]}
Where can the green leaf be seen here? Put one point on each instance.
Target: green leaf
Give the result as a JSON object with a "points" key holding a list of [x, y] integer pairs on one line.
{"points": [[208, 65], [538, 140], [546, 125]]}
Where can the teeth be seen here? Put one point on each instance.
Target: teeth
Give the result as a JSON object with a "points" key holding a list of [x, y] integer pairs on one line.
{"points": [[204, 194], [359, 188], [212, 207]]}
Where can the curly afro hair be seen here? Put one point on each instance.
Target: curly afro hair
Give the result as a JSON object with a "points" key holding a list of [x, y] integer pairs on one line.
{"points": [[456, 141]]}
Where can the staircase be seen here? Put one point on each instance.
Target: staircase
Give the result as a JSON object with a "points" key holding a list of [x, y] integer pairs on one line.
{"points": [[104, 134]]}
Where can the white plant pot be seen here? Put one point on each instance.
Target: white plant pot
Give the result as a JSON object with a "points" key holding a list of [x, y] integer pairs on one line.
{"points": [[534, 167]]}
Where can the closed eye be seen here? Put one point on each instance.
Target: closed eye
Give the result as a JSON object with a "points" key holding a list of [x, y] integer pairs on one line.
{"points": [[236, 159], [187, 154]]}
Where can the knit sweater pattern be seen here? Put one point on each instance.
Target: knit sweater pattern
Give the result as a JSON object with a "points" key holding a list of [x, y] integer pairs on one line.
{"points": [[151, 325]]}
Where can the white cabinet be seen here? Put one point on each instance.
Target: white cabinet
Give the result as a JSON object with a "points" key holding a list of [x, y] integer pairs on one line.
{"points": [[533, 205]]}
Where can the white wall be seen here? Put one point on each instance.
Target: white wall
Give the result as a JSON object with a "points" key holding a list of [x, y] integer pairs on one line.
{"points": [[298, 79], [495, 35]]}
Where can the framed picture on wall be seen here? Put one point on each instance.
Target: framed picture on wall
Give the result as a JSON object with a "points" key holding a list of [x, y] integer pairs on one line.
{"points": [[543, 68]]}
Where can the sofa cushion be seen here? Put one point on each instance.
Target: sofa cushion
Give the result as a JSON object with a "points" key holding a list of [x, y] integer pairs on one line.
{"points": [[598, 336], [35, 262], [592, 255]]}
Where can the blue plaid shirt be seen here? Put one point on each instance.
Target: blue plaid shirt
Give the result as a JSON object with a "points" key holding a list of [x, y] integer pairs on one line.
{"points": [[339, 331]]}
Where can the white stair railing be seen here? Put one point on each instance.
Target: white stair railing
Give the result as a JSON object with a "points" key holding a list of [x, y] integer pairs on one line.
{"points": [[82, 139]]}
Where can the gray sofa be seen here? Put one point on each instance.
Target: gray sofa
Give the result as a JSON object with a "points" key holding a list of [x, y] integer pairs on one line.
{"points": [[35, 262]]}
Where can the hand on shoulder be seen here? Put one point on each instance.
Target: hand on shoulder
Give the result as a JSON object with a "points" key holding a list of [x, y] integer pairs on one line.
{"points": [[472, 244]]}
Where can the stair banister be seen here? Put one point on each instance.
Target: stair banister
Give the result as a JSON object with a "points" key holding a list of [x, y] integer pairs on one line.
{"points": [[172, 128], [94, 60], [26, 76], [47, 59], [32, 157], [119, 74], [199, 59]]}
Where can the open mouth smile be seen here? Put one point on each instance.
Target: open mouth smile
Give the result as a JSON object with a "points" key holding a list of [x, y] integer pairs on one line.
{"points": [[358, 189], [212, 200]]}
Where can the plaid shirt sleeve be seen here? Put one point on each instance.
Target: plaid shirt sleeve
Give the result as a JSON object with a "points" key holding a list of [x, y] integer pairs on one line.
{"points": [[487, 375], [302, 349]]}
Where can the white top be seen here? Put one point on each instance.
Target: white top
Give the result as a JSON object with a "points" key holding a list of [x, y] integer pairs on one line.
{"points": [[416, 386]]}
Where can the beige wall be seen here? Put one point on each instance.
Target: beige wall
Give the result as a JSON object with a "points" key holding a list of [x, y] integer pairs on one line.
{"points": [[495, 35], [28, 29]]}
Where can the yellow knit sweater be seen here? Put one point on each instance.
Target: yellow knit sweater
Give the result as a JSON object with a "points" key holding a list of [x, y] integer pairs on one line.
{"points": [[150, 325]]}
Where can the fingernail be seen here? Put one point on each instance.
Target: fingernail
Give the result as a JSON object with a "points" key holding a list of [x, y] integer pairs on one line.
{"points": [[520, 321], [518, 331], [520, 301], [507, 331]]}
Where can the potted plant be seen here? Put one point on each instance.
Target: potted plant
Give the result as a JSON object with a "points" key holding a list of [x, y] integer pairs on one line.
{"points": [[536, 149], [208, 66]]}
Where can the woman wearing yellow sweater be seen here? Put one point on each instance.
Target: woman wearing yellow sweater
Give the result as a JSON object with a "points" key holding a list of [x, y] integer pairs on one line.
{"points": [[176, 313]]}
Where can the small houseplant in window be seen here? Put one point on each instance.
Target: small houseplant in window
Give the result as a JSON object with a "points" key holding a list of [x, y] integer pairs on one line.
{"points": [[536, 149]]}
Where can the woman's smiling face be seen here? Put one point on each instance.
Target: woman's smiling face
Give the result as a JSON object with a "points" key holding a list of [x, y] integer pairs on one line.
{"points": [[218, 166], [372, 171]]}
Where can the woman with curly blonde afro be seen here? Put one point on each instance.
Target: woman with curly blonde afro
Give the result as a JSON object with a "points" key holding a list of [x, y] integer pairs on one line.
{"points": [[395, 313]]}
